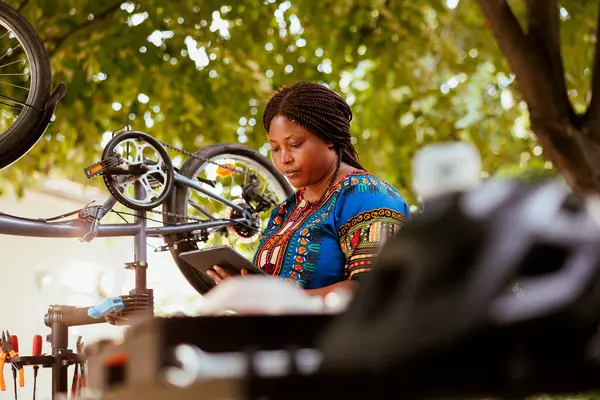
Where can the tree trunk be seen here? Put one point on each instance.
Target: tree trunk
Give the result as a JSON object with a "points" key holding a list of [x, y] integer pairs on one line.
{"points": [[570, 141], [574, 154]]}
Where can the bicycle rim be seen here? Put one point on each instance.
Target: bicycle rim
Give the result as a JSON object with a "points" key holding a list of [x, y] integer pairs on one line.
{"points": [[245, 245]]}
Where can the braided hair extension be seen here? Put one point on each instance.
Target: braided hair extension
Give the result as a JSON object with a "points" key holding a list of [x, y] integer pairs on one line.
{"points": [[318, 109]]}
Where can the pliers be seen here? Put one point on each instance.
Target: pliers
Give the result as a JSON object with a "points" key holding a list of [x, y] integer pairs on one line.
{"points": [[11, 353]]}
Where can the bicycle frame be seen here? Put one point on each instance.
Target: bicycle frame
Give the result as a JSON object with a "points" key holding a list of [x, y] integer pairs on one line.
{"points": [[78, 227]]}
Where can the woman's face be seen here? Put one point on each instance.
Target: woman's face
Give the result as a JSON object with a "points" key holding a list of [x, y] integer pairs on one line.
{"points": [[303, 157]]}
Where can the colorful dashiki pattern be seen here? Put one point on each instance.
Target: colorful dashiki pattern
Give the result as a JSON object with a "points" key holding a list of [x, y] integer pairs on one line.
{"points": [[335, 238]]}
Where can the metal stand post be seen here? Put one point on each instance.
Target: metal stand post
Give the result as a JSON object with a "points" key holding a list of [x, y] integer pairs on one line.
{"points": [[59, 339], [59, 318], [140, 299]]}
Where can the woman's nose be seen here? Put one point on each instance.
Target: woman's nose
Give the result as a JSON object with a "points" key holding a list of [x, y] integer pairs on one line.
{"points": [[286, 157]]}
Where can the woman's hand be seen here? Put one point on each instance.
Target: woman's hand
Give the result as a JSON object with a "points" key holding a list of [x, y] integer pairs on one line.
{"points": [[219, 274]]}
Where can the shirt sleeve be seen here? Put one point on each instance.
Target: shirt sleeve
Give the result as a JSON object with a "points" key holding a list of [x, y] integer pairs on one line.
{"points": [[367, 212]]}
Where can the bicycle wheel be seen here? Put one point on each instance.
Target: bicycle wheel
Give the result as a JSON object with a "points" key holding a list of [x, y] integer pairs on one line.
{"points": [[25, 83], [186, 202]]}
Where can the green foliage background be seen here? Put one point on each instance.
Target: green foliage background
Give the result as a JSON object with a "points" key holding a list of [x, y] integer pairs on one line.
{"points": [[199, 72]]}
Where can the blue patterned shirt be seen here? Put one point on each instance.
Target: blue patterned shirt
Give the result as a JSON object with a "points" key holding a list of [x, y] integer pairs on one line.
{"points": [[317, 244]]}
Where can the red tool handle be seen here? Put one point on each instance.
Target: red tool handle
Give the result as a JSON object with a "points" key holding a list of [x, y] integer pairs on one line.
{"points": [[15, 342], [74, 386], [37, 345]]}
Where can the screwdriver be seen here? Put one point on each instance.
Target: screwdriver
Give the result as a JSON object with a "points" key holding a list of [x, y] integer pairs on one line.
{"points": [[36, 352], [15, 344], [16, 366]]}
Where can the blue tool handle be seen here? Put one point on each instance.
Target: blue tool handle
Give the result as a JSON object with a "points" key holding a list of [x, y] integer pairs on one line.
{"points": [[112, 304]]}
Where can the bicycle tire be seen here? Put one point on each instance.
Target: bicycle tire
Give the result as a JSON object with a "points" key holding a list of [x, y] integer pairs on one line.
{"points": [[177, 203], [41, 76]]}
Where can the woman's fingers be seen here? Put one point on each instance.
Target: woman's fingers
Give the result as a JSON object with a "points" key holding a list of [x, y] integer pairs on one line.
{"points": [[221, 271], [218, 273], [216, 277]]}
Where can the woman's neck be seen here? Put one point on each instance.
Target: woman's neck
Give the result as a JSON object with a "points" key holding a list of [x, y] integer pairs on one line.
{"points": [[314, 192]]}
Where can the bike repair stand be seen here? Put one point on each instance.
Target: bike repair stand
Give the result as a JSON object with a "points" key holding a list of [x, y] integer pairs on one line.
{"points": [[59, 318]]}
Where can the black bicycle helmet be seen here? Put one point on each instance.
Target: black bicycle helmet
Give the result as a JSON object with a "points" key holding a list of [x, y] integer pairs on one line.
{"points": [[494, 290]]}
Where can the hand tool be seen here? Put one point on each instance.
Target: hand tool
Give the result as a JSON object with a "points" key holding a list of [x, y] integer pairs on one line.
{"points": [[7, 354], [15, 345], [11, 354]]}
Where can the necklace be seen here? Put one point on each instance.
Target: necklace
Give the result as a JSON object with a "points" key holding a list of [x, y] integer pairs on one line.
{"points": [[331, 182]]}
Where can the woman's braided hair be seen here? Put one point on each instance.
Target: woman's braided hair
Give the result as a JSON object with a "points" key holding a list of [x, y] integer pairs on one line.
{"points": [[321, 111]]}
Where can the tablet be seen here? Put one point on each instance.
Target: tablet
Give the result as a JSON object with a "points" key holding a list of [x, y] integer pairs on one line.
{"points": [[224, 256]]}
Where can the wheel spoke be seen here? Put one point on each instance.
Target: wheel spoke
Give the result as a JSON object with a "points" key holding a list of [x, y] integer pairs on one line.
{"points": [[7, 32], [17, 102], [10, 51], [12, 62], [17, 86]]}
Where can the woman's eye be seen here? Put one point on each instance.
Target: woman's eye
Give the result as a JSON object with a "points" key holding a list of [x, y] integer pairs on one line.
{"points": [[295, 145], [274, 150]]}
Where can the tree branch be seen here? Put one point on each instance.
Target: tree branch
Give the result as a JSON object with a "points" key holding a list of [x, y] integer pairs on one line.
{"points": [[532, 73], [22, 5], [543, 29], [58, 42], [592, 114]]}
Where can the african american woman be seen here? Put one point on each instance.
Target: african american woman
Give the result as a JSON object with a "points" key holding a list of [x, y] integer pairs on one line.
{"points": [[328, 233]]}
